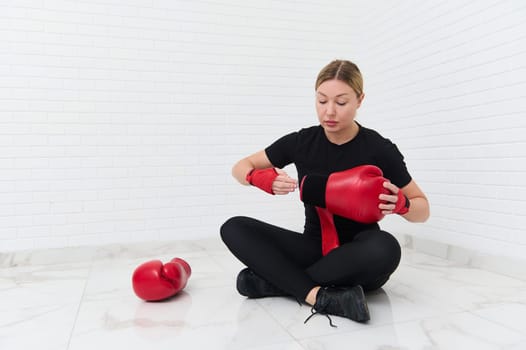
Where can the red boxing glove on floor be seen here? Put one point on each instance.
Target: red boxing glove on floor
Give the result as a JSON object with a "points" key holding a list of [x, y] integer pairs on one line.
{"points": [[352, 193], [262, 178], [153, 280]]}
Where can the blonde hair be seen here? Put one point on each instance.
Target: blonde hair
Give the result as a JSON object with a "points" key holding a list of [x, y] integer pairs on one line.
{"points": [[345, 71]]}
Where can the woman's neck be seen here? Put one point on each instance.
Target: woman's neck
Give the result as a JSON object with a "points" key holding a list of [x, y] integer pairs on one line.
{"points": [[343, 136]]}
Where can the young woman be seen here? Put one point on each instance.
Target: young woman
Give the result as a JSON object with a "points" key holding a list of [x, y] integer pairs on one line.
{"points": [[328, 273]]}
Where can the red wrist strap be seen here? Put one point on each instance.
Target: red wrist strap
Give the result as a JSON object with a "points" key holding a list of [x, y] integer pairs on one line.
{"points": [[262, 178], [329, 235]]}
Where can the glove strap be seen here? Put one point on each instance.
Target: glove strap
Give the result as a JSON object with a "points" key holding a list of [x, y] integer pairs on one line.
{"points": [[262, 178], [329, 236]]}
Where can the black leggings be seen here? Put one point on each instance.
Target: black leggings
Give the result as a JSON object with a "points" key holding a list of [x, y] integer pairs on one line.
{"points": [[293, 261]]}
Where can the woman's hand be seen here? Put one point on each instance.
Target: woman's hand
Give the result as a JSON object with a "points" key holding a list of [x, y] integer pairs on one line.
{"points": [[284, 184]]}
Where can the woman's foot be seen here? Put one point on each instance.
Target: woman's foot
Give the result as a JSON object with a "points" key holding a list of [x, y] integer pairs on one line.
{"points": [[252, 285], [346, 302]]}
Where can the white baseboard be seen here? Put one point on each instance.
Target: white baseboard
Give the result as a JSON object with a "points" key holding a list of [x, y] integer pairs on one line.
{"points": [[512, 267], [500, 264]]}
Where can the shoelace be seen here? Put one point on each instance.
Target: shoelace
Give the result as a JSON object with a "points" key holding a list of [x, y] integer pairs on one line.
{"points": [[314, 312]]}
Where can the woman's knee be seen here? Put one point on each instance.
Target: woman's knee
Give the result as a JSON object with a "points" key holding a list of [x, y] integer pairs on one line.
{"points": [[236, 227], [390, 248], [385, 247], [231, 227]]}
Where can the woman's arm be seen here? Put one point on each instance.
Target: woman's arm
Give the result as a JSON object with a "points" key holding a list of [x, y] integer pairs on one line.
{"points": [[283, 183], [258, 160]]}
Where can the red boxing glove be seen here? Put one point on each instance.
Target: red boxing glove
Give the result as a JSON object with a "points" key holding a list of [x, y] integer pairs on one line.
{"points": [[352, 193], [186, 268], [262, 178], [153, 281]]}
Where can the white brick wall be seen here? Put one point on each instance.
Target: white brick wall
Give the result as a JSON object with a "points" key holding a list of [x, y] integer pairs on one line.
{"points": [[120, 120], [446, 80]]}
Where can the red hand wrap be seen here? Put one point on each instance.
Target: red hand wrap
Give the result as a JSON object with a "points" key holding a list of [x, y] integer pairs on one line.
{"points": [[262, 178], [402, 204]]}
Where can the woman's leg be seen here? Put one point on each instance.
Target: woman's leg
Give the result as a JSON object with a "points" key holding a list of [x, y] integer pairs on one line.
{"points": [[278, 255], [368, 261], [365, 263]]}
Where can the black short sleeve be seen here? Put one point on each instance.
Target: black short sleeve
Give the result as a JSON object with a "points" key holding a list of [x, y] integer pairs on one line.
{"points": [[282, 152], [393, 165]]}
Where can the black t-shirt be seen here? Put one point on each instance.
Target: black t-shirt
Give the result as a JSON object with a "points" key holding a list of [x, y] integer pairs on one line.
{"points": [[312, 153]]}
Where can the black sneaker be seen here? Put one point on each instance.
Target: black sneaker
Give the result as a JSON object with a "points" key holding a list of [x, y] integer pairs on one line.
{"points": [[252, 285], [345, 302]]}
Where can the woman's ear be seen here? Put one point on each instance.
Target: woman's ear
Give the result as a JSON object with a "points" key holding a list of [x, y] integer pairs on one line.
{"points": [[360, 99]]}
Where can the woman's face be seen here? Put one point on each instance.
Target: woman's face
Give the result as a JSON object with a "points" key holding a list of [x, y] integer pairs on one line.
{"points": [[336, 105]]}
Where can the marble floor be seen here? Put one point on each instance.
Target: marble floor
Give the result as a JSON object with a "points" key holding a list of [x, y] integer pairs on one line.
{"points": [[429, 303]]}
